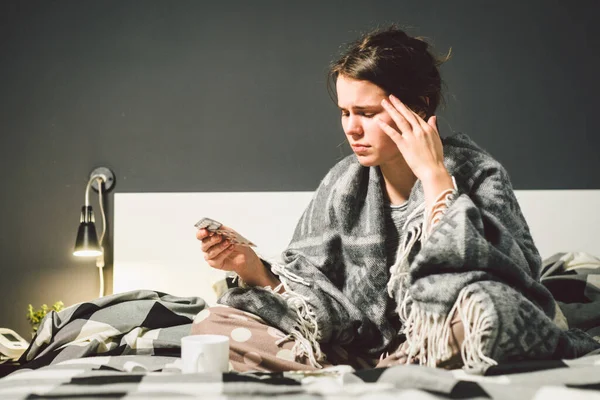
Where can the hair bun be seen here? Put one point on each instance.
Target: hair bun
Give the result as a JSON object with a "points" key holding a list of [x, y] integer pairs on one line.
{"points": [[420, 44]]}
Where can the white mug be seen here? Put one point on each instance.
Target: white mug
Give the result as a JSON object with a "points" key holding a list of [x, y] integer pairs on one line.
{"points": [[204, 353]]}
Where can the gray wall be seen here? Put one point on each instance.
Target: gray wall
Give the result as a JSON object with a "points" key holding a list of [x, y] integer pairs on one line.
{"points": [[191, 96]]}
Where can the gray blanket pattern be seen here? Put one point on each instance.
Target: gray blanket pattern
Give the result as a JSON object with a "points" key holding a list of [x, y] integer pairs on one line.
{"points": [[481, 256]]}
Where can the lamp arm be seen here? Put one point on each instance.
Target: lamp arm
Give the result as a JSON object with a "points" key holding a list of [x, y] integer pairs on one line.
{"points": [[100, 259], [100, 178]]}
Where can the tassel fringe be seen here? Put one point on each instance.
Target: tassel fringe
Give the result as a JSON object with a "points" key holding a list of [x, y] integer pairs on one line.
{"points": [[428, 334], [431, 218], [306, 334]]}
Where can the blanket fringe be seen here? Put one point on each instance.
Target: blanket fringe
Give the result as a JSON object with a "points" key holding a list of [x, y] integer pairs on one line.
{"points": [[428, 334], [419, 232], [477, 327], [399, 270], [306, 334]]}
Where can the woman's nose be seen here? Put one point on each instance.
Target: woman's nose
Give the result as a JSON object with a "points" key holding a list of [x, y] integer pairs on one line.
{"points": [[354, 127]]}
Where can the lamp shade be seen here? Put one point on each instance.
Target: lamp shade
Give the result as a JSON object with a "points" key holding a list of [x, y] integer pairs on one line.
{"points": [[86, 244]]}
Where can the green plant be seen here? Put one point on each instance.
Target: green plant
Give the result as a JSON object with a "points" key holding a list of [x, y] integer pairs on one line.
{"points": [[36, 316]]}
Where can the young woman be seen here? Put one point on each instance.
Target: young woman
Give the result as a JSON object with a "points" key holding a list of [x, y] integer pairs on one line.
{"points": [[413, 249]]}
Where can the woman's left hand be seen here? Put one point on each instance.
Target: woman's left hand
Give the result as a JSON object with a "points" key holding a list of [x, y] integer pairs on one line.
{"points": [[399, 357], [418, 141]]}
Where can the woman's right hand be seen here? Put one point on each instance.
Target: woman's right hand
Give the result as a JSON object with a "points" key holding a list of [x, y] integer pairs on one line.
{"points": [[221, 254]]}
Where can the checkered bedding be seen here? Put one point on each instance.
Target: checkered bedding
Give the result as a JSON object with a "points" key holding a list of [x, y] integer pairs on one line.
{"points": [[159, 377], [127, 346]]}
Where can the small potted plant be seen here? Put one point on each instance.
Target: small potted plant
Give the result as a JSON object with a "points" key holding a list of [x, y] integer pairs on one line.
{"points": [[36, 316]]}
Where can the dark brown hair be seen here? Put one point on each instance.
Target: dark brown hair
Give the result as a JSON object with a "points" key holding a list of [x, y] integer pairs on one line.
{"points": [[396, 62]]}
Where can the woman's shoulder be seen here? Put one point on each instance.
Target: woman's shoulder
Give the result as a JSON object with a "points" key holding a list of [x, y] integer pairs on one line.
{"points": [[463, 142], [460, 148], [468, 162]]}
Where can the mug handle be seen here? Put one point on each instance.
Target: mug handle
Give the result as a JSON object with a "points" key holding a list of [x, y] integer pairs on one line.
{"points": [[199, 357]]}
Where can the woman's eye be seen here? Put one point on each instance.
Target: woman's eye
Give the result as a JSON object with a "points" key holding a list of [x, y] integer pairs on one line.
{"points": [[360, 114], [366, 114]]}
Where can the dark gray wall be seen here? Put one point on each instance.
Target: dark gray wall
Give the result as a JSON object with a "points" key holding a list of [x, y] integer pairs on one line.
{"points": [[230, 96]]}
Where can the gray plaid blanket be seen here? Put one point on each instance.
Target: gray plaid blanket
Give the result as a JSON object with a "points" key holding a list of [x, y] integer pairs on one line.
{"points": [[137, 322], [127, 346], [574, 280]]}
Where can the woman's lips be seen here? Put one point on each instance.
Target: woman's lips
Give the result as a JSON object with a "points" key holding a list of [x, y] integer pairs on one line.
{"points": [[359, 148]]}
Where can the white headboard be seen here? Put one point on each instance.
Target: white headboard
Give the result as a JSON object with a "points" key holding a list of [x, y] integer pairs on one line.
{"points": [[155, 238], [156, 248]]}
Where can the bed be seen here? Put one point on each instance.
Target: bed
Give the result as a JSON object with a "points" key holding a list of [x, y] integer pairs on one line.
{"points": [[127, 345]]}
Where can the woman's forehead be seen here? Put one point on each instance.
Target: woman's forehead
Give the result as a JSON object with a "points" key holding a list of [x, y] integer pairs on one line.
{"points": [[358, 93]]}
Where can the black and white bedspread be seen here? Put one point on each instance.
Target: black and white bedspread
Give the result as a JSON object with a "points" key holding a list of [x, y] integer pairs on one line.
{"points": [[127, 346], [159, 377]]}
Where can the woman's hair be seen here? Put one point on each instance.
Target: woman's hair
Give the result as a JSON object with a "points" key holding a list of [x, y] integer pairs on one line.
{"points": [[396, 62]]}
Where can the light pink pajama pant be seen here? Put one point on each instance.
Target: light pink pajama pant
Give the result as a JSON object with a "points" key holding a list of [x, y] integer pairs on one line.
{"points": [[256, 346]]}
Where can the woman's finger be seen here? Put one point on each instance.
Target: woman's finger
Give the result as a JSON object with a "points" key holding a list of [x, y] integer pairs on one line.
{"points": [[390, 360], [432, 123], [203, 233], [421, 123], [391, 132], [406, 112], [218, 261], [430, 128], [217, 249], [211, 241], [403, 125]]}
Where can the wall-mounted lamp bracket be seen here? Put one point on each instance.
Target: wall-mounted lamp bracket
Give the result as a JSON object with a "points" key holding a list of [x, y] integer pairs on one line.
{"points": [[106, 174]]}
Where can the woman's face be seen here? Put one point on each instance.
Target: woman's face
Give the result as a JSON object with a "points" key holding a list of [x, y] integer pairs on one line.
{"points": [[360, 103]]}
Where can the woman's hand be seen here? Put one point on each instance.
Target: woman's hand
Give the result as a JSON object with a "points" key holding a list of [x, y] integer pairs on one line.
{"points": [[399, 357], [420, 145], [221, 254], [418, 141], [453, 361]]}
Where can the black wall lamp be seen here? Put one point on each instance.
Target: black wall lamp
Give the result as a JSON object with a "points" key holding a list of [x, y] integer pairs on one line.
{"points": [[87, 244]]}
